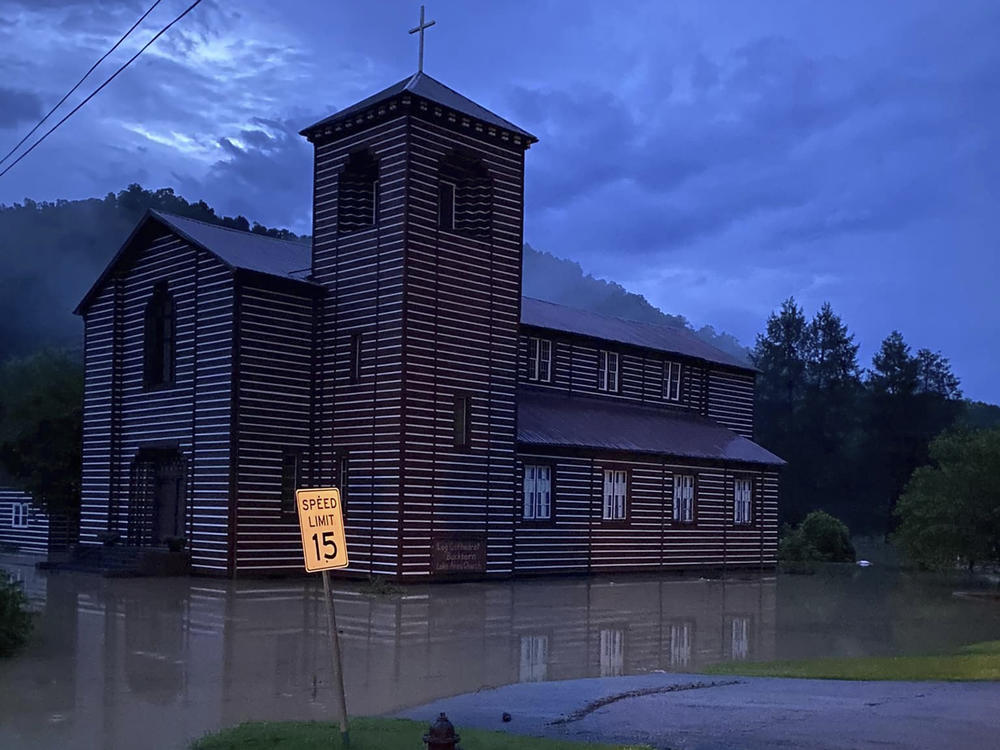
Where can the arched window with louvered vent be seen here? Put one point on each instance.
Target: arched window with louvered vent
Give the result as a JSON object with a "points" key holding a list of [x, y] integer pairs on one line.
{"points": [[357, 196], [465, 196]]}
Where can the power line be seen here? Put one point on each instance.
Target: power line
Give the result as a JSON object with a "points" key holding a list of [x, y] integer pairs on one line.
{"points": [[96, 91], [75, 87]]}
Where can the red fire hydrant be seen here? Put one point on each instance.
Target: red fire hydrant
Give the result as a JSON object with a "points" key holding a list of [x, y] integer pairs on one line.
{"points": [[441, 735]]}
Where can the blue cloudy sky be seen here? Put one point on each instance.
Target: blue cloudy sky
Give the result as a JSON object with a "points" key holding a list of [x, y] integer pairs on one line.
{"points": [[716, 157]]}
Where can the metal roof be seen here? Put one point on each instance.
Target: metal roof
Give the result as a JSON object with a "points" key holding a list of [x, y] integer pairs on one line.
{"points": [[241, 249], [553, 419], [236, 248], [664, 338], [422, 85]]}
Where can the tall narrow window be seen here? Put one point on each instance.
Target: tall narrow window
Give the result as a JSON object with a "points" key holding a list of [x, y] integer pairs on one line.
{"points": [[289, 480], [158, 343], [343, 479], [539, 360], [355, 358], [607, 371], [537, 492], [357, 193], [20, 515], [446, 205], [462, 421], [615, 494], [672, 381], [684, 498], [742, 501]]}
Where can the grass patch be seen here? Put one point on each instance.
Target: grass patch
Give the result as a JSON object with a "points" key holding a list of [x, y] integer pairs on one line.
{"points": [[371, 734], [980, 661]]}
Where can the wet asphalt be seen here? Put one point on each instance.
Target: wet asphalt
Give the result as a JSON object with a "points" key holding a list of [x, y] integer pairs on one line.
{"points": [[703, 712]]}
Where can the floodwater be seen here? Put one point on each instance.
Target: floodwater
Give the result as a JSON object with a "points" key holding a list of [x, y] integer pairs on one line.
{"points": [[123, 663]]}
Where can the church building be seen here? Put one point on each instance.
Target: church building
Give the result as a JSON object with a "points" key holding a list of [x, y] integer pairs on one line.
{"points": [[473, 432]]}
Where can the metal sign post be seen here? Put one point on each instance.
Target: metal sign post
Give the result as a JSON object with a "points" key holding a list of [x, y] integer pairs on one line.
{"points": [[324, 547]]}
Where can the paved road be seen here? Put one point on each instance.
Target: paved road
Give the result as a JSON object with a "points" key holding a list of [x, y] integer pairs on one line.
{"points": [[701, 712]]}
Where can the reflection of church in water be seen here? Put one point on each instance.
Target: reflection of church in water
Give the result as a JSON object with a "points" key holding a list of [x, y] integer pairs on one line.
{"points": [[208, 653]]}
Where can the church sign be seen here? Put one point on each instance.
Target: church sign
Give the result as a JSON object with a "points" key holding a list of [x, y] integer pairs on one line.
{"points": [[458, 552]]}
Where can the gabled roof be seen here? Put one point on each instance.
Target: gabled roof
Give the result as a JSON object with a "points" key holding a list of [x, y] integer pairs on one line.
{"points": [[664, 338], [236, 248], [554, 419], [422, 85]]}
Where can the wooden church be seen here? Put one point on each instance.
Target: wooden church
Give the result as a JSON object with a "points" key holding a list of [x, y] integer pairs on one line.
{"points": [[473, 432]]}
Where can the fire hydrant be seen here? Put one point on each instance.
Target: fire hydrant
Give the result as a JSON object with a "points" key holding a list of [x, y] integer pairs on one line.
{"points": [[441, 735]]}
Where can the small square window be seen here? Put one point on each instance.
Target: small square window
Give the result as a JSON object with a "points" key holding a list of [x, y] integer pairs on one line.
{"points": [[539, 360], [21, 515]]}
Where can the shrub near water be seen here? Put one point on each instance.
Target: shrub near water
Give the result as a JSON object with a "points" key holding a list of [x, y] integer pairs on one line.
{"points": [[15, 620], [819, 538]]}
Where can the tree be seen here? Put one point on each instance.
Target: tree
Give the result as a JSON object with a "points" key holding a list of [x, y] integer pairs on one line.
{"points": [[934, 375], [780, 355], [950, 509], [830, 352], [41, 416], [894, 371]]}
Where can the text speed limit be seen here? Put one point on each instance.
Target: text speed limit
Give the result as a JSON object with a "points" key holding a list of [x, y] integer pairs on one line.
{"points": [[321, 523]]}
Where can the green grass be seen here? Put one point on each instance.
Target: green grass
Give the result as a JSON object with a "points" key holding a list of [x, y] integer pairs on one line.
{"points": [[980, 661], [370, 734]]}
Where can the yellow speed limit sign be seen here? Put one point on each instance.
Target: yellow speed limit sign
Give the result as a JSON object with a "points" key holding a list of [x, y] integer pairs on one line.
{"points": [[321, 521]]}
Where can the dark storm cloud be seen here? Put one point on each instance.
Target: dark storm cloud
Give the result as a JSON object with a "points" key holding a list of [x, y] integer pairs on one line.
{"points": [[715, 157], [18, 106]]}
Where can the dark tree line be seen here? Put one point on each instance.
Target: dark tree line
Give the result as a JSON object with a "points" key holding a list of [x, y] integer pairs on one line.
{"points": [[852, 436]]}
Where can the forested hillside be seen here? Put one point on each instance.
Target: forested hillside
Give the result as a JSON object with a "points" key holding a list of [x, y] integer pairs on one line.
{"points": [[50, 253]]}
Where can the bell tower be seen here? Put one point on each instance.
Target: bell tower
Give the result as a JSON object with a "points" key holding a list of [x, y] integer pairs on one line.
{"points": [[417, 237]]}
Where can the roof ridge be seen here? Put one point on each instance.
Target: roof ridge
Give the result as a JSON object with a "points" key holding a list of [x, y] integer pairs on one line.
{"points": [[167, 214]]}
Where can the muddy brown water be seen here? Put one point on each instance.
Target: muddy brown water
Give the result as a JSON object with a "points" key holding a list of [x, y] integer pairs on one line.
{"points": [[123, 663]]}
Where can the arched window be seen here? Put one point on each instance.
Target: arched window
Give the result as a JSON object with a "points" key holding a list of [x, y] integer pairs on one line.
{"points": [[357, 196], [465, 196], [159, 341]]}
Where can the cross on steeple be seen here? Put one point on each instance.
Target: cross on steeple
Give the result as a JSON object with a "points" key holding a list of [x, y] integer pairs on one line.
{"points": [[420, 28]]}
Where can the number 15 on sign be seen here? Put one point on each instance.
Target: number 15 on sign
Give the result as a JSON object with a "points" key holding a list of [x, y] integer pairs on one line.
{"points": [[321, 523]]}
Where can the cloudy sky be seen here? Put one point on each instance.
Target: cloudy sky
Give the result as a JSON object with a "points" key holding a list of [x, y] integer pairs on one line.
{"points": [[714, 156]]}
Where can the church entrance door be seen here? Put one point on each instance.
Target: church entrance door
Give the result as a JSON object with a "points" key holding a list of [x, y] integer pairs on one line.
{"points": [[157, 502]]}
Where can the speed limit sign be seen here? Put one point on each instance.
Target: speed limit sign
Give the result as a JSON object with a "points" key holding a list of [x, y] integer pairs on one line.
{"points": [[321, 522]]}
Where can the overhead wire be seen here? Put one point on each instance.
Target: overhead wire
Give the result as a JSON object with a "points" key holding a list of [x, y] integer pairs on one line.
{"points": [[96, 91], [77, 85]]}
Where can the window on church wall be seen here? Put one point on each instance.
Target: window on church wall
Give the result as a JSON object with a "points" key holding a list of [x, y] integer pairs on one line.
{"points": [[21, 513], [615, 494], [672, 381], [462, 421], [465, 196], [607, 371], [539, 360], [290, 479], [355, 360], [358, 193], [537, 492], [684, 498], [343, 479], [743, 501], [159, 343]]}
